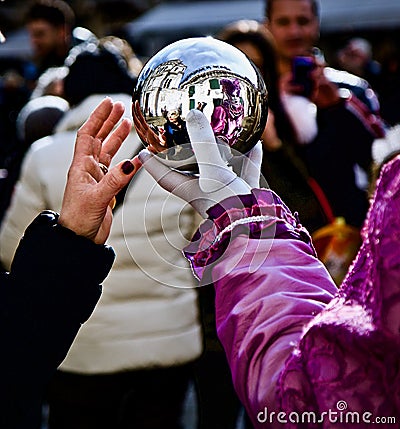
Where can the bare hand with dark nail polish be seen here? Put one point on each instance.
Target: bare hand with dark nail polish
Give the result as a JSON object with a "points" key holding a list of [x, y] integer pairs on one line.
{"points": [[90, 191]]}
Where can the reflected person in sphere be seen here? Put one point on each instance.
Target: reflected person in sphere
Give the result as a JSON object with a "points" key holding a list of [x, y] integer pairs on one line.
{"points": [[175, 128], [227, 118]]}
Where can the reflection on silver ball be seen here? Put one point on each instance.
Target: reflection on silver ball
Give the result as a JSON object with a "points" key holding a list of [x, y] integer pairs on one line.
{"points": [[206, 74]]}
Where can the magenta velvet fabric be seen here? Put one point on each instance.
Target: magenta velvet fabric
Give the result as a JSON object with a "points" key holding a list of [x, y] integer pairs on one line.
{"points": [[302, 353]]}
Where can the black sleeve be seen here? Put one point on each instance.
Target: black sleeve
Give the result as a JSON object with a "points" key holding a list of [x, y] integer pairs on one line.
{"points": [[348, 136], [342, 141], [52, 288]]}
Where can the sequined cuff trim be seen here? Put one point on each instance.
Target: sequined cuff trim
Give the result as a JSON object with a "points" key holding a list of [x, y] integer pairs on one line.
{"points": [[243, 221], [258, 215]]}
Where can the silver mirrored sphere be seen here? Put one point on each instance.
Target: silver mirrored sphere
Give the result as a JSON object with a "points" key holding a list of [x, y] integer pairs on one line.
{"points": [[206, 74]]}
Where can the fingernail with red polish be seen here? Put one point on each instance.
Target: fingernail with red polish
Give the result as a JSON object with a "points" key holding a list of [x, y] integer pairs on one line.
{"points": [[127, 167]]}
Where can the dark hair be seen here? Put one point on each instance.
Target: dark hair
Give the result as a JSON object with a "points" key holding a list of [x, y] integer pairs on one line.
{"points": [[55, 12], [269, 3], [256, 34], [96, 68]]}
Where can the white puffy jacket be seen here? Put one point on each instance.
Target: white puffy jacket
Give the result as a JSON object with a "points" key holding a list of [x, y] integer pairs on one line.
{"points": [[148, 313]]}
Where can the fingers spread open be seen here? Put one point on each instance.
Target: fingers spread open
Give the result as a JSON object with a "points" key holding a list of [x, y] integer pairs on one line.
{"points": [[111, 121], [93, 124], [114, 141], [89, 130]]}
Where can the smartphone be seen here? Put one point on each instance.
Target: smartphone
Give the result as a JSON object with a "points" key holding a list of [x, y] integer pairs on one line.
{"points": [[301, 70]]}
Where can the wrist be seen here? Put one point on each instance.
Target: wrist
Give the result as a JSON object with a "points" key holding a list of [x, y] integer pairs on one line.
{"points": [[49, 219], [258, 215], [69, 254], [78, 225], [64, 222]]}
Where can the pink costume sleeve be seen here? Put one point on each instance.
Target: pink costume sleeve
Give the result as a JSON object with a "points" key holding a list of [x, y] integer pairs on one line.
{"points": [[218, 120], [291, 347]]}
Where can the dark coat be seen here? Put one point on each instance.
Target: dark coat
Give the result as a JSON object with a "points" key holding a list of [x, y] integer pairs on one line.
{"points": [[346, 132], [52, 288], [342, 142]]}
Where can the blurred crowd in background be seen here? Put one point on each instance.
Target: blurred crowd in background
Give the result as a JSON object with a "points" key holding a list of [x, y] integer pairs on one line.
{"points": [[44, 92]]}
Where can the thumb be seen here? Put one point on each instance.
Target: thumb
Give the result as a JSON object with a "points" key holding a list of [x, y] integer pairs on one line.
{"points": [[117, 178]]}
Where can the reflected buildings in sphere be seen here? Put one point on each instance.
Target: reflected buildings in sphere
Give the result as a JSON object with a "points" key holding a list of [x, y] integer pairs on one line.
{"points": [[212, 76]]}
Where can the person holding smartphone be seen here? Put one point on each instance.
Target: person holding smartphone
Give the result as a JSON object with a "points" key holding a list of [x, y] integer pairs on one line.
{"points": [[346, 108]]}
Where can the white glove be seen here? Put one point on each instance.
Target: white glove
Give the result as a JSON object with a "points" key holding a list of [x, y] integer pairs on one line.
{"points": [[216, 180]]}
